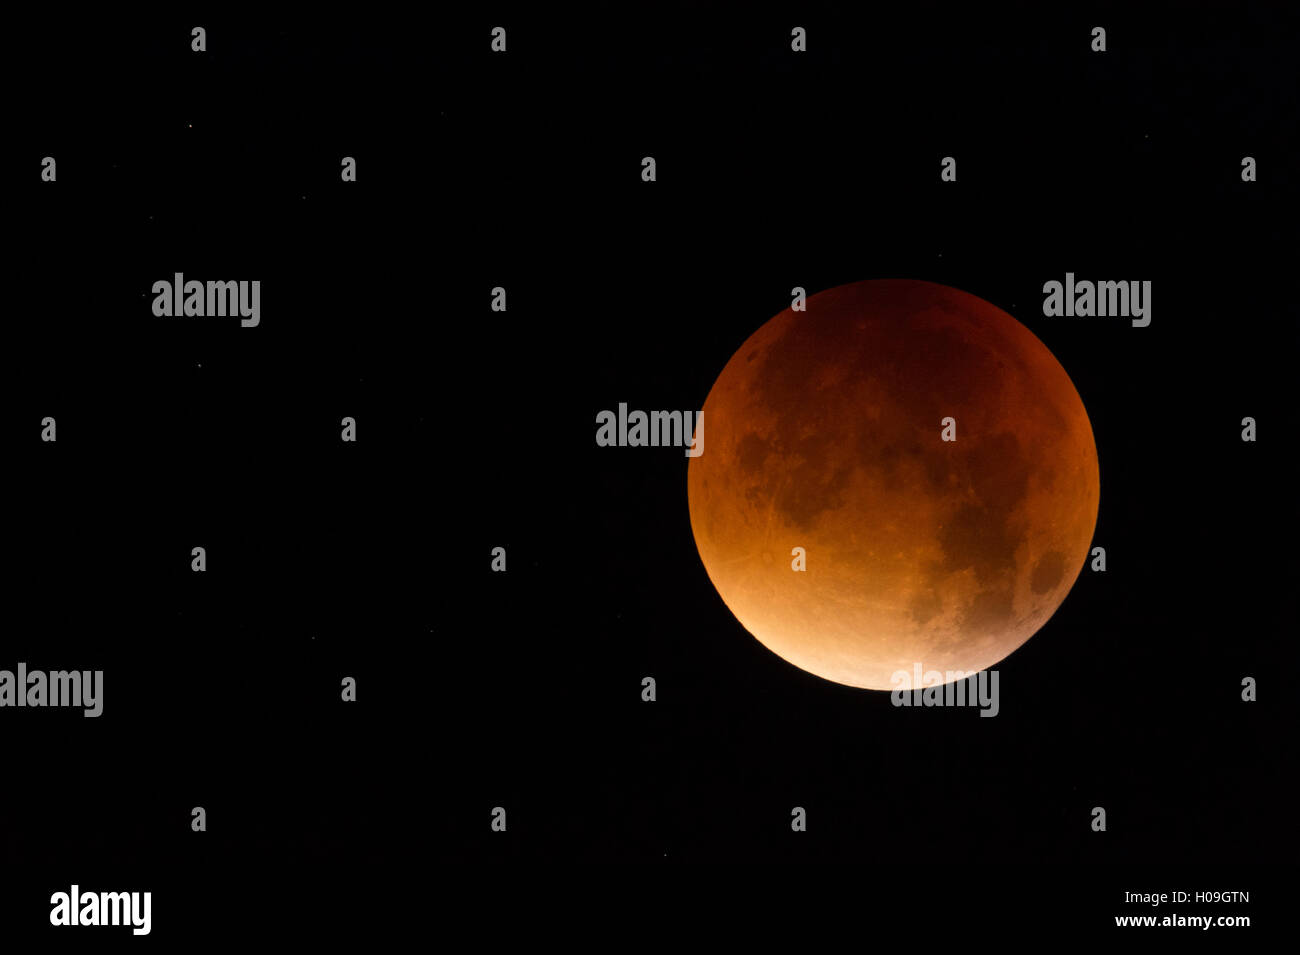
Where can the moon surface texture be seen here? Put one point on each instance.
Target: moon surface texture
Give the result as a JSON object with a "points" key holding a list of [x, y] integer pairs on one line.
{"points": [[825, 432]]}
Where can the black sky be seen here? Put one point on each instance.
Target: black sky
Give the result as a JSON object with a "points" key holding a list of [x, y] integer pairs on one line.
{"points": [[477, 430]]}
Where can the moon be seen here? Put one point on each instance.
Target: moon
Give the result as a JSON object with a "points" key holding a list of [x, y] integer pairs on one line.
{"points": [[825, 432]]}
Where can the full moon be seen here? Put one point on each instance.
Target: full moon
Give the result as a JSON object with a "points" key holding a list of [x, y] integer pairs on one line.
{"points": [[926, 460]]}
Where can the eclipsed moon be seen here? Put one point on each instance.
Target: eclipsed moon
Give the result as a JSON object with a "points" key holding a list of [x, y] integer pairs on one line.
{"points": [[825, 432]]}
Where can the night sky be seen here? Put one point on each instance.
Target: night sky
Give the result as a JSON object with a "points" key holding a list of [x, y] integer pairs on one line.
{"points": [[476, 430]]}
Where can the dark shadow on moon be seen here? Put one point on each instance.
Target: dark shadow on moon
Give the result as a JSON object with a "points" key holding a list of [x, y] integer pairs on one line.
{"points": [[1047, 572]]}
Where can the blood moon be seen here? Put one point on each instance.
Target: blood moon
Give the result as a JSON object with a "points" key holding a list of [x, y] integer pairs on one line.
{"points": [[825, 433]]}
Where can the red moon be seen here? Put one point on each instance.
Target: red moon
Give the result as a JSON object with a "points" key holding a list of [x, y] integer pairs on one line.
{"points": [[825, 432]]}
